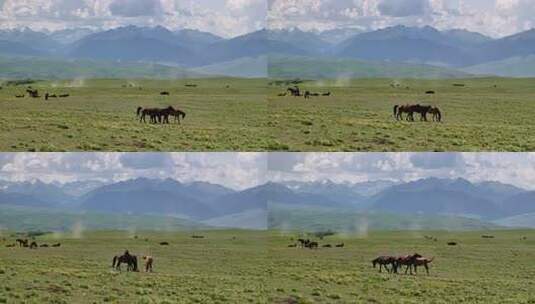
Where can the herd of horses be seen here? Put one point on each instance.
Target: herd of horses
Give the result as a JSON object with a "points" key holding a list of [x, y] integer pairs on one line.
{"points": [[296, 92], [307, 243], [34, 93], [396, 262], [423, 110], [131, 262], [158, 115], [33, 245]]}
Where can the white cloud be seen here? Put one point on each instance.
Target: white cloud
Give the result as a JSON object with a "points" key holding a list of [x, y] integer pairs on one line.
{"points": [[235, 170], [512, 168], [223, 17], [495, 18]]}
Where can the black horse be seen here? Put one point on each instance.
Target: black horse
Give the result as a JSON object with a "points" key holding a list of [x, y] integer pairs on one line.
{"points": [[128, 259]]}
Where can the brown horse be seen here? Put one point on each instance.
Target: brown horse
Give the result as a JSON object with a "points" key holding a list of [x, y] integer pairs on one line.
{"points": [[437, 115], [384, 261], [151, 112]]}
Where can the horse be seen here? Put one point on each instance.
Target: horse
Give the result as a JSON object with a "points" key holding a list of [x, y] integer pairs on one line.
{"points": [[152, 113], [56, 245], [127, 258], [421, 261], [163, 114], [22, 243], [407, 260], [437, 115], [383, 261], [326, 94], [313, 245], [164, 243], [177, 114], [165, 93], [341, 245], [33, 245], [148, 263], [294, 91], [64, 95]]}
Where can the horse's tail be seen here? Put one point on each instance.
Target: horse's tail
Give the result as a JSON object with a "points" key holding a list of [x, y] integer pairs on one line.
{"points": [[430, 260], [183, 114], [139, 111], [114, 262], [439, 114], [396, 110]]}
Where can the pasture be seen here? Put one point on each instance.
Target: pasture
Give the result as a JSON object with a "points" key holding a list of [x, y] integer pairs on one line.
{"points": [[232, 266], [477, 270], [100, 115], [488, 114], [223, 267]]}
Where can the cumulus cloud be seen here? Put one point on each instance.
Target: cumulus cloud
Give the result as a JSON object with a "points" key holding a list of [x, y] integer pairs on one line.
{"points": [[223, 17], [403, 8], [494, 18], [511, 168], [235, 170], [135, 8]]}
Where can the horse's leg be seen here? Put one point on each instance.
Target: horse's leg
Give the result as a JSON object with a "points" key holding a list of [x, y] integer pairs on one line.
{"points": [[426, 268]]}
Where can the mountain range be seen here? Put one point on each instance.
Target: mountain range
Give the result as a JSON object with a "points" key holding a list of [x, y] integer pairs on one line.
{"points": [[386, 49], [216, 205]]}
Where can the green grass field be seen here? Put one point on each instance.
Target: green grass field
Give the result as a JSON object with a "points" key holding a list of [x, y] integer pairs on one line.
{"points": [[248, 116], [358, 117], [100, 116], [257, 267]]}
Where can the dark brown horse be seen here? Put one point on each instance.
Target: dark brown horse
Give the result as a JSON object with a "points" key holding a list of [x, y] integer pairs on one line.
{"points": [[151, 112], [126, 258], [437, 115], [384, 261]]}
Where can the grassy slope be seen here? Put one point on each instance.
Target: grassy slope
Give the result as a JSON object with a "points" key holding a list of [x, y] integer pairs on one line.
{"points": [[320, 68], [258, 267], [510, 67], [323, 219], [216, 269], [45, 68], [100, 115], [477, 270], [358, 117], [26, 219]]}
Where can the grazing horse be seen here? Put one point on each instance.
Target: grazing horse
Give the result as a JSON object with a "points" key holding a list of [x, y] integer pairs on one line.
{"points": [[407, 260], [127, 258], [294, 91], [437, 115], [33, 93], [384, 261], [22, 243], [164, 243], [326, 94], [313, 245], [177, 114], [152, 113], [148, 263], [165, 93], [163, 114], [33, 245], [64, 95], [421, 261], [341, 245], [56, 245]]}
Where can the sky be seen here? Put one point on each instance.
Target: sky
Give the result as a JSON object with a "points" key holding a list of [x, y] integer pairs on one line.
{"points": [[510, 168], [233, 170], [244, 170], [229, 18]]}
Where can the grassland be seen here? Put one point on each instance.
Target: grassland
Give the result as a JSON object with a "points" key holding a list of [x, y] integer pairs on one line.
{"points": [[100, 116], [477, 270], [491, 114], [358, 117], [224, 267], [258, 267]]}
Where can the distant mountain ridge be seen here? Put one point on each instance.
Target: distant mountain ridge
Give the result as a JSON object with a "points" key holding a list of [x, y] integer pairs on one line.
{"points": [[386, 48], [211, 204]]}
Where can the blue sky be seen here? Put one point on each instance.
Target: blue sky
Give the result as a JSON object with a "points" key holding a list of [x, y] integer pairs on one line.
{"points": [[230, 18], [244, 170]]}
